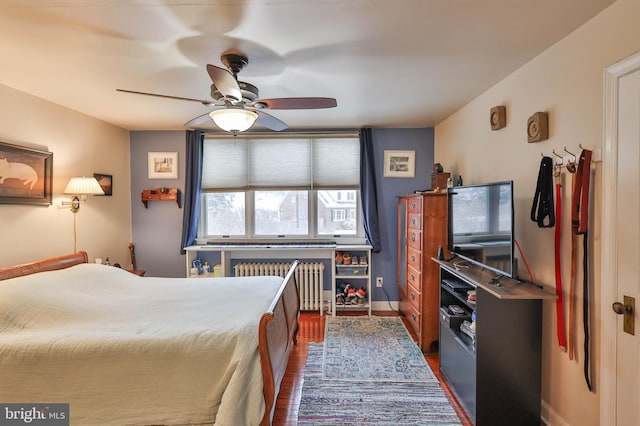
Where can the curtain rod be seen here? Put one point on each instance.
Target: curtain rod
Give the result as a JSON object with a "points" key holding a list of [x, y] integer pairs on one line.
{"points": [[283, 134]]}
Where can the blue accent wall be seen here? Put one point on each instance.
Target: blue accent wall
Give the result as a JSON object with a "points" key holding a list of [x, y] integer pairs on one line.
{"points": [[156, 230], [420, 140]]}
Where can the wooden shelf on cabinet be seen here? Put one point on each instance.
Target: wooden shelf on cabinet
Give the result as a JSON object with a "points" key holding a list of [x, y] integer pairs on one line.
{"points": [[439, 180]]}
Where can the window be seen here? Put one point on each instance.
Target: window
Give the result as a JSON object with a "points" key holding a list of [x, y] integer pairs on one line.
{"points": [[338, 215], [281, 187], [281, 213], [225, 213]]}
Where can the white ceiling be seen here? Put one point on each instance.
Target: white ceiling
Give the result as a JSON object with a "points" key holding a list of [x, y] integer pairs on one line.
{"points": [[389, 63]]}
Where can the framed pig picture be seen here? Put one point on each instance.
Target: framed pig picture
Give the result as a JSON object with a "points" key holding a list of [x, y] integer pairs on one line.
{"points": [[25, 175]]}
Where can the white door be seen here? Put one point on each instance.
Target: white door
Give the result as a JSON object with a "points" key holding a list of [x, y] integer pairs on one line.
{"points": [[621, 243]]}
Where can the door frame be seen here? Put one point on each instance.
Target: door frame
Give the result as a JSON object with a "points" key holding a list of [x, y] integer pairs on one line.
{"points": [[608, 282]]}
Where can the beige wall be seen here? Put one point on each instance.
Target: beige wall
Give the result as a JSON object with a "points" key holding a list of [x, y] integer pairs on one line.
{"points": [[567, 82], [81, 145]]}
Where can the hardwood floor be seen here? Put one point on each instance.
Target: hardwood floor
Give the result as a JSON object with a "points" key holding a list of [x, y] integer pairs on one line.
{"points": [[312, 330]]}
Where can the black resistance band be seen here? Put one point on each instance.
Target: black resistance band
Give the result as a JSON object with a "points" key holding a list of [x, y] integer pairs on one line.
{"points": [[542, 207]]}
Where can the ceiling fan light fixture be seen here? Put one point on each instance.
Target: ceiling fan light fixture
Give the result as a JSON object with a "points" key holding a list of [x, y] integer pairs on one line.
{"points": [[233, 120]]}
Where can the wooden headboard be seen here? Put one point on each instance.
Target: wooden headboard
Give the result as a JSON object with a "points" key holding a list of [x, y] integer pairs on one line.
{"points": [[51, 264]]}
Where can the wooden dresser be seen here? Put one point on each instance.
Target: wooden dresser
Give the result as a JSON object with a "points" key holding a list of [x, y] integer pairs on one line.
{"points": [[422, 228]]}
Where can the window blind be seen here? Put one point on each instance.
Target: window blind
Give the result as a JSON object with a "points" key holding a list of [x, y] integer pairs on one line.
{"points": [[241, 164]]}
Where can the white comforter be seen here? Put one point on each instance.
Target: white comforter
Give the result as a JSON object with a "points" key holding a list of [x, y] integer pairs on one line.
{"points": [[128, 350]]}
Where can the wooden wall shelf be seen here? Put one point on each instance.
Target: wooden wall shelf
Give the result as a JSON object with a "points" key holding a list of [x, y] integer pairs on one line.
{"points": [[161, 194]]}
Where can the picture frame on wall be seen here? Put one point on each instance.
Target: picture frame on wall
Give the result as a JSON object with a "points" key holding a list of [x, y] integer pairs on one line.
{"points": [[25, 175], [163, 165], [399, 164], [106, 183]]}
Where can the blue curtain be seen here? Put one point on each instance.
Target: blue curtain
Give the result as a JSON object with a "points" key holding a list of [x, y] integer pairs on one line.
{"points": [[192, 188], [368, 190]]}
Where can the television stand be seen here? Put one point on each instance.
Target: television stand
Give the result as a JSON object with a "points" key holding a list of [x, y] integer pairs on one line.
{"points": [[493, 367]]}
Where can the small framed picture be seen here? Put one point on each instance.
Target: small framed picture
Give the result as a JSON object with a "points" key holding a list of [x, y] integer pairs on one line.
{"points": [[399, 164], [25, 175], [106, 183], [163, 165]]}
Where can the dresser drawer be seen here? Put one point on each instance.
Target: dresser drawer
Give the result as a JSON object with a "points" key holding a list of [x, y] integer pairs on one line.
{"points": [[414, 238], [414, 319], [415, 298], [414, 278], [414, 221], [414, 258], [414, 205]]}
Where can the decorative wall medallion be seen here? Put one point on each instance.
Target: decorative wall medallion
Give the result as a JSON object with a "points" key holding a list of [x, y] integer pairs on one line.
{"points": [[538, 127], [498, 117]]}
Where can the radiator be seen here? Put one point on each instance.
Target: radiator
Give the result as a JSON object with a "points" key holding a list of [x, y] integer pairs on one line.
{"points": [[309, 277]]}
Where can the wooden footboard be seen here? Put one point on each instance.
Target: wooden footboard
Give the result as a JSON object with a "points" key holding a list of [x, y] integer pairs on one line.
{"points": [[278, 331], [52, 264]]}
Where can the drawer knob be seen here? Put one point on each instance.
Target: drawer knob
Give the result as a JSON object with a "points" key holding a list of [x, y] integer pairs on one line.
{"points": [[413, 205], [413, 258], [413, 238], [413, 277], [413, 221], [413, 296], [414, 317]]}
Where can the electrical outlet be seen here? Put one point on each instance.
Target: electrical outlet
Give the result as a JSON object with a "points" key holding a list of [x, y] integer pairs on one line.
{"points": [[379, 282]]}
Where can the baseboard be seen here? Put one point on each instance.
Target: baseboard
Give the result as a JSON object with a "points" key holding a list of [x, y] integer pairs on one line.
{"points": [[384, 306], [549, 417]]}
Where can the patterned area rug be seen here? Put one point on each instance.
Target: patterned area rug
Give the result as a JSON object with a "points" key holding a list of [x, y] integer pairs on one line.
{"points": [[372, 349], [332, 402]]}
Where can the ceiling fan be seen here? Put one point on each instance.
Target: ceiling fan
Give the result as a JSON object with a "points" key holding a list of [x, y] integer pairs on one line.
{"points": [[237, 103]]}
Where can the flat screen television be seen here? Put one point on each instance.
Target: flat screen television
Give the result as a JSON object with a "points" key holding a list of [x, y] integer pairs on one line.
{"points": [[480, 226]]}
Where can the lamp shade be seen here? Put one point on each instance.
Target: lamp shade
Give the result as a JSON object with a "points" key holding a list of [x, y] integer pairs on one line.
{"points": [[233, 119], [83, 186]]}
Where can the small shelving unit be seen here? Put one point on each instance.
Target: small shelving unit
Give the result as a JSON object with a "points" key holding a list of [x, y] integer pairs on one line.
{"points": [[357, 275]]}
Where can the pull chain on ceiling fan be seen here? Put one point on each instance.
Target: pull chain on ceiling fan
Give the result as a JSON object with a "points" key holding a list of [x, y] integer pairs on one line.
{"points": [[237, 103]]}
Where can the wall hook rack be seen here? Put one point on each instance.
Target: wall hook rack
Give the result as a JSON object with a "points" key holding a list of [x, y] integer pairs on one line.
{"points": [[559, 156], [570, 153]]}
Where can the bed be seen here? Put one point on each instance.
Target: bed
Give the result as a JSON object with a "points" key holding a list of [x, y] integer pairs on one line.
{"points": [[123, 349]]}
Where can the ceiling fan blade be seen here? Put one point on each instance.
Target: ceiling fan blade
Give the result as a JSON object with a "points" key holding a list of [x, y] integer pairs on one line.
{"points": [[269, 121], [203, 102], [225, 82], [295, 103], [201, 119]]}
